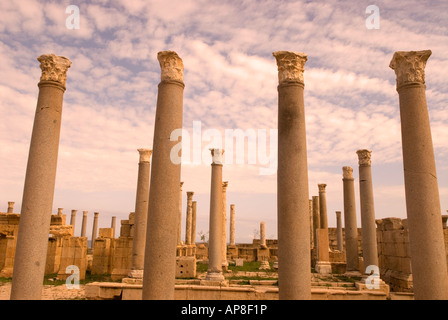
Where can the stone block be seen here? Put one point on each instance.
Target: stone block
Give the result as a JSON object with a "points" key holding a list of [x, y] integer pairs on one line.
{"points": [[106, 232], [185, 267], [392, 224]]}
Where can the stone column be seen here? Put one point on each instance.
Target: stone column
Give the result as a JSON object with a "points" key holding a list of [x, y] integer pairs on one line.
{"points": [[40, 178], [60, 211], [292, 180], [113, 225], [323, 206], [10, 207], [94, 228], [263, 235], [73, 219], [310, 208], [316, 218], [225, 263], [339, 237], [189, 216], [161, 237], [214, 271], [179, 226], [193, 222], [369, 244], [428, 256], [232, 225], [84, 223], [141, 214], [350, 224]]}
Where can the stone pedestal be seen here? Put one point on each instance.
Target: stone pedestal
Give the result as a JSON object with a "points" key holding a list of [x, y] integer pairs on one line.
{"points": [[292, 180], [141, 213], [428, 256], [40, 178], [323, 265], [163, 211], [214, 272], [351, 228], [369, 243]]}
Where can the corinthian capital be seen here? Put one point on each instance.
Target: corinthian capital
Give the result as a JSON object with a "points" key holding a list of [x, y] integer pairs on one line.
{"points": [[171, 65], [347, 172], [322, 187], [364, 157], [54, 68], [217, 155], [291, 65], [409, 66], [145, 155]]}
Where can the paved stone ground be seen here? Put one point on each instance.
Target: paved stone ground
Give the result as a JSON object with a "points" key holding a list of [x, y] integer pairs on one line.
{"points": [[49, 292]]}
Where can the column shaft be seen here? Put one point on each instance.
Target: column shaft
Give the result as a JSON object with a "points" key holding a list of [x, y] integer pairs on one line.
{"points": [[232, 225], [350, 224], [339, 237], [40, 178], [84, 224]]}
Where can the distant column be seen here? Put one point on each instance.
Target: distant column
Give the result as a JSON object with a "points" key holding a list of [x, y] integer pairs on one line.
{"points": [[323, 206], [140, 214], [225, 263], [350, 224], [232, 225], [95, 228], [292, 180], [339, 231], [113, 224], [214, 271], [369, 243], [263, 234], [163, 211], [40, 178], [84, 223], [193, 222], [428, 255], [60, 211], [10, 207], [73, 219], [316, 218], [189, 217], [179, 226]]}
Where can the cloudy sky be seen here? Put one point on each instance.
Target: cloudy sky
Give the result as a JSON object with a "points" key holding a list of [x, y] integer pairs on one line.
{"points": [[231, 83]]}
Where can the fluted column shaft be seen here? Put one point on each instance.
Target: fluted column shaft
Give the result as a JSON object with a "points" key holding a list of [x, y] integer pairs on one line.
{"points": [[40, 178], [292, 180], [428, 255], [141, 213], [163, 211], [350, 224]]}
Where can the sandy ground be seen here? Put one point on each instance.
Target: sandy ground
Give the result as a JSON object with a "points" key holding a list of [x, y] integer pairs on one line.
{"points": [[49, 292]]}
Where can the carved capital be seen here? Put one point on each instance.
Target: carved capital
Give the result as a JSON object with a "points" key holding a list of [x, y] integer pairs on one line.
{"points": [[291, 65], [190, 195], [54, 68], [217, 155], [347, 172], [225, 184], [409, 66], [364, 157], [171, 65], [322, 187], [181, 184], [145, 155]]}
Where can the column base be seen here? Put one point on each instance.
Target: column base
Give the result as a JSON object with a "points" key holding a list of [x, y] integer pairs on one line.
{"points": [[265, 265], [323, 267], [214, 279]]}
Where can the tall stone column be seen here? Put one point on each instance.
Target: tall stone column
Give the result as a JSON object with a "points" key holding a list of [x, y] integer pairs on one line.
{"points": [[94, 228], [214, 271], [310, 208], [339, 237], [428, 256], [141, 214], [263, 234], [369, 243], [232, 225], [292, 180], [350, 224], [193, 222], [10, 207], [323, 206], [179, 226], [73, 219], [163, 211], [225, 263], [84, 223], [40, 178], [189, 217], [113, 225], [316, 218]]}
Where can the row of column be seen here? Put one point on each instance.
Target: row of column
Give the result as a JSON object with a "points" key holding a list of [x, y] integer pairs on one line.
{"points": [[421, 187]]}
